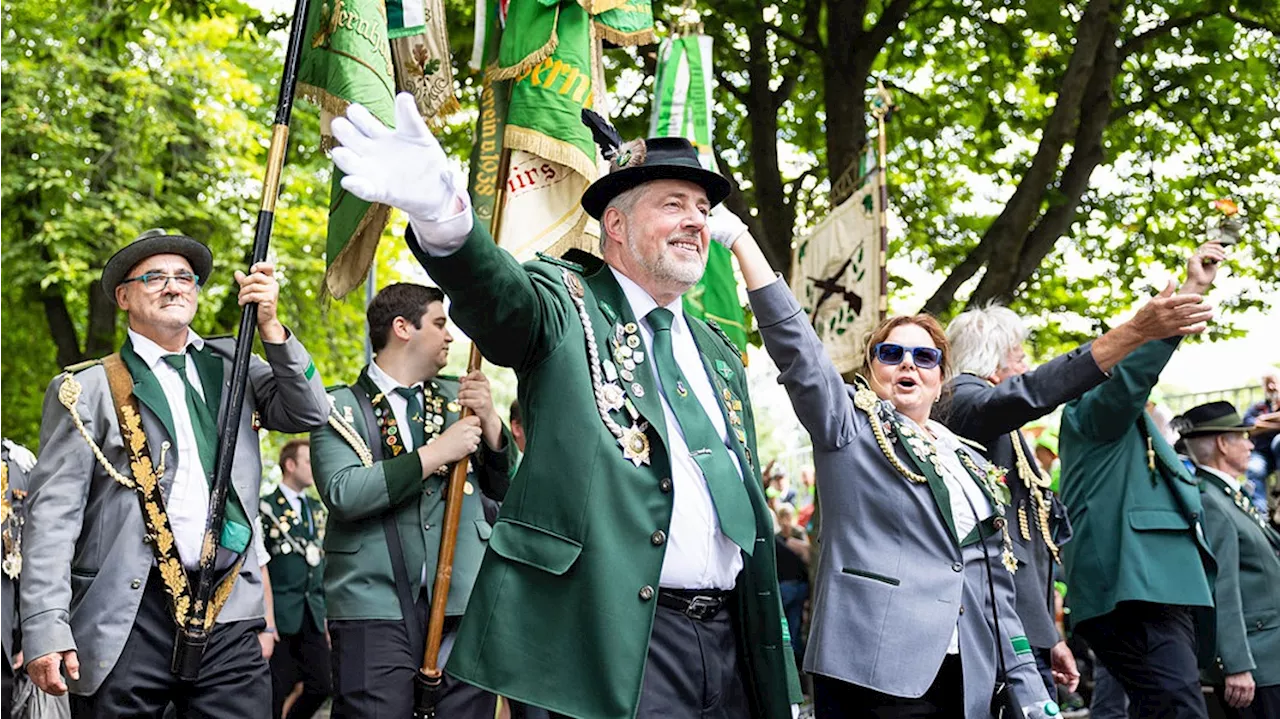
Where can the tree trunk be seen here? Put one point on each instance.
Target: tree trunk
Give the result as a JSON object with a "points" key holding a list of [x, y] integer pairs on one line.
{"points": [[1002, 244], [777, 216]]}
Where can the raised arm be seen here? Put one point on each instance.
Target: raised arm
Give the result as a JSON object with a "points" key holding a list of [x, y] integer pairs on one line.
{"points": [[816, 389]]}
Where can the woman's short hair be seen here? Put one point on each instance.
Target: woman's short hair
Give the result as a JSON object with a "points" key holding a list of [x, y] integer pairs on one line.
{"points": [[981, 339], [924, 321]]}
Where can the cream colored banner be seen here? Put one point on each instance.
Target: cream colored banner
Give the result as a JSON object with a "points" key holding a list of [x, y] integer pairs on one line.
{"points": [[836, 269]]}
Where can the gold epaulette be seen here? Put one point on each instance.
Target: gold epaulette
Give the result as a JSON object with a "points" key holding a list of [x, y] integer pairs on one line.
{"points": [[972, 444], [81, 366]]}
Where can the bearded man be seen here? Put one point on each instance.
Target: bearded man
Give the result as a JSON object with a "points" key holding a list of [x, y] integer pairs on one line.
{"points": [[635, 528]]}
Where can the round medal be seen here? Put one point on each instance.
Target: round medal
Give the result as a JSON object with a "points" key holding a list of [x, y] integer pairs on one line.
{"points": [[313, 555]]}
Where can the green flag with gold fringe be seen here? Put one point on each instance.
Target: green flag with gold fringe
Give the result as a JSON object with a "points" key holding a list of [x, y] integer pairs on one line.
{"points": [[347, 59]]}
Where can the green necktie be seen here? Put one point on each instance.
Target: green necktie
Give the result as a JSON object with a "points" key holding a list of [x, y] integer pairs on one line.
{"points": [[728, 494], [235, 527], [417, 430]]}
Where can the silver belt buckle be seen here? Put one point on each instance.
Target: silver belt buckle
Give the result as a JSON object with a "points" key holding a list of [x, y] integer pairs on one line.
{"points": [[702, 607]]}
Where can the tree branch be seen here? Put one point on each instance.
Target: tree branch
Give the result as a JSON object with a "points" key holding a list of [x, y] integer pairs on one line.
{"points": [[1137, 42], [1239, 19], [886, 25]]}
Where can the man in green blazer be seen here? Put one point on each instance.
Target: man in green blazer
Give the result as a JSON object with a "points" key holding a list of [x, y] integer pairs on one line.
{"points": [[294, 526], [381, 465], [635, 533], [1246, 671], [1138, 564]]}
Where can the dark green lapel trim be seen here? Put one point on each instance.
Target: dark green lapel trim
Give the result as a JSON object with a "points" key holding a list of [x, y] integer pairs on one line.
{"points": [[939, 488], [210, 368], [704, 339], [146, 387], [608, 293]]}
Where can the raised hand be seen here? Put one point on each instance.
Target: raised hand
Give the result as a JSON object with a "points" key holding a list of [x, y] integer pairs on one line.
{"points": [[1202, 267], [260, 286], [404, 168], [725, 227], [1168, 314]]}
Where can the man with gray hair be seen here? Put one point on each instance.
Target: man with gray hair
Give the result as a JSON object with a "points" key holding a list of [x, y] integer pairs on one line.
{"points": [[994, 394], [1246, 592]]}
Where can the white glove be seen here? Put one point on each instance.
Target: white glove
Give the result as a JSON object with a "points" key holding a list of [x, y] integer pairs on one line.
{"points": [[405, 168], [725, 227], [20, 456]]}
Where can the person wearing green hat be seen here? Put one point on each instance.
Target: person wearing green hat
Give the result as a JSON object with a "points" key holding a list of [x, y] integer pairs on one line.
{"points": [[635, 531], [119, 500], [1246, 617]]}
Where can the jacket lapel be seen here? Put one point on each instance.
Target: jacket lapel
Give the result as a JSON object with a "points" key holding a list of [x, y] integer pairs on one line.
{"points": [[615, 310], [146, 387], [210, 368], [907, 440], [725, 395]]}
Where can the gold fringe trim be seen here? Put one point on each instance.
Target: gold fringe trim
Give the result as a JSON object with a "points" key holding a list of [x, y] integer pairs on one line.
{"points": [[323, 99], [565, 153], [497, 72], [575, 239], [352, 264], [625, 39], [595, 7]]}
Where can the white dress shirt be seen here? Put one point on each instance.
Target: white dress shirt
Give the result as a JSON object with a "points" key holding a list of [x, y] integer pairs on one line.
{"points": [[1232, 482], [699, 555], [387, 385], [188, 501], [960, 484]]}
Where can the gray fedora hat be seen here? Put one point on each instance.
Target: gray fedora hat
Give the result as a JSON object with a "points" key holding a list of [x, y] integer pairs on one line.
{"points": [[149, 244]]}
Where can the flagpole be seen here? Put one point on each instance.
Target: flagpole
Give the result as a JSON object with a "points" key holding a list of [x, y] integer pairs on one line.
{"points": [[192, 637], [882, 109], [430, 675]]}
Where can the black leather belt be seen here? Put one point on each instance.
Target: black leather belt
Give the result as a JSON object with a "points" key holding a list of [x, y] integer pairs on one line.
{"points": [[700, 604]]}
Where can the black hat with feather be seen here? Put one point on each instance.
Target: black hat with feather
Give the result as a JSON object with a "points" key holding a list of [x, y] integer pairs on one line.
{"points": [[640, 161]]}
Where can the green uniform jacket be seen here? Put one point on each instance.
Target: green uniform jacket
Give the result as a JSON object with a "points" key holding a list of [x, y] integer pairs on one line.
{"points": [[564, 603], [1137, 533], [1247, 591], [359, 581], [294, 542]]}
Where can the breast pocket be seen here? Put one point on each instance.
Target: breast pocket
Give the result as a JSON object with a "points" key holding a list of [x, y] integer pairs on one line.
{"points": [[534, 546]]}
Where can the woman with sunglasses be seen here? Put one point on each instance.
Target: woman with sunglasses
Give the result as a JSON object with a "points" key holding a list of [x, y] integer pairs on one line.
{"points": [[914, 545]]}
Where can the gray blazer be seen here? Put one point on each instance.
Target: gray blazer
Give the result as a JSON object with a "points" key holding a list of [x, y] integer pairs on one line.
{"points": [[988, 414], [86, 561], [14, 497], [893, 580]]}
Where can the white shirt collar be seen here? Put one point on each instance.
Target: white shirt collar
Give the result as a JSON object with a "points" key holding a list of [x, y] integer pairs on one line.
{"points": [[288, 493], [152, 353], [642, 303], [383, 381], [1232, 482]]}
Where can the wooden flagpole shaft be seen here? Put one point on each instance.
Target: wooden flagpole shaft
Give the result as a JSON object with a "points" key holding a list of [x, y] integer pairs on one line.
{"points": [[453, 500], [192, 638], [882, 110]]}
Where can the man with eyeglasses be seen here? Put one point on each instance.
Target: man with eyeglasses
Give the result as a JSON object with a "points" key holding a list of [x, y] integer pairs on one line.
{"points": [[994, 394], [120, 498]]}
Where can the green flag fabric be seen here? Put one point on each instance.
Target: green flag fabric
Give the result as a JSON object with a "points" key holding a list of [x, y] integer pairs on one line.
{"points": [[624, 22], [346, 59], [683, 109], [550, 56]]}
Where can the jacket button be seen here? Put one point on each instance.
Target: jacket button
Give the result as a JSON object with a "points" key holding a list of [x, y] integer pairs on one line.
{"points": [[957, 567], [135, 584], [962, 609], [665, 484], [998, 523], [658, 538], [646, 593], [1259, 625], [426, 526]]}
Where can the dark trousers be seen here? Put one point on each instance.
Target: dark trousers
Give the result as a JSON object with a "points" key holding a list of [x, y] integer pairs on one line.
{"points": [[1044, 664], [7, 673], [1266, 704], [835, 699], [374, 666], [1150, 648], [692, 669], [301, 657], [794, 593], [234, 680]]}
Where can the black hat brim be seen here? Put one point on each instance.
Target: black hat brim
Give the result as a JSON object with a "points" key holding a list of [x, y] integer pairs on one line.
{"points": [[603, 190], [1206, 431], [117, 268]]}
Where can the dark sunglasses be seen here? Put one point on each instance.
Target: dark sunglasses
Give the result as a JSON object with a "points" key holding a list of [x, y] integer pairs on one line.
{"points": [[923, 357]]}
